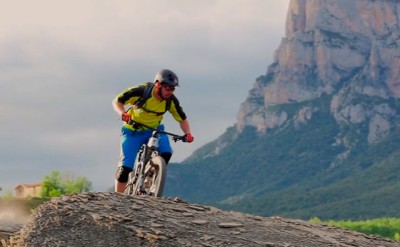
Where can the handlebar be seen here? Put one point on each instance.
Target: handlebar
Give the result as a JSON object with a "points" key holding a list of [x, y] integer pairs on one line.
{"points": [[175, 137]]}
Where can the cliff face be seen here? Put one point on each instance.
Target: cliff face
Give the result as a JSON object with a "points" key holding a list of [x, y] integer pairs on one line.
{"points": [[347, 50]]}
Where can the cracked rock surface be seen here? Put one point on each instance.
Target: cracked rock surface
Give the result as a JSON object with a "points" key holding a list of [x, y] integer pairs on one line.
{"points": [[111, 219]]}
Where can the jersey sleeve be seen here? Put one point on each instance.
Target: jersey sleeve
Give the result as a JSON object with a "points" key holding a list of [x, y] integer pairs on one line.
{"points": [[130, 95], [176, 110]]}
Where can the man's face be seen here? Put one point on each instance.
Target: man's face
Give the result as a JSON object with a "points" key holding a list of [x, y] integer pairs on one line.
{"points": [[167, 91]]}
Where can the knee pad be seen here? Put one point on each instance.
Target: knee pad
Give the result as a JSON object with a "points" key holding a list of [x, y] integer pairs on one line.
{"points": [[166, 156], [122, 174]]}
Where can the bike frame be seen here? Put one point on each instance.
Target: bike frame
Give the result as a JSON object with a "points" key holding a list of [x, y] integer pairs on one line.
{"points": [[136, 183], [146, 152]]}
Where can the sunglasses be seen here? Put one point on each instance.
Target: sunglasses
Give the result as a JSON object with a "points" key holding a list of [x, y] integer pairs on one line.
{"points": [[169, 88]]}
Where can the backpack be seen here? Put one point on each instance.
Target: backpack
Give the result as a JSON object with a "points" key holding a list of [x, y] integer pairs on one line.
{"points": [[148, 88]]}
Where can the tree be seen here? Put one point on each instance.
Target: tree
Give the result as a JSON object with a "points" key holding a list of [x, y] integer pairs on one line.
{"points": [[51, 185], [56, 184], [78, 185]]}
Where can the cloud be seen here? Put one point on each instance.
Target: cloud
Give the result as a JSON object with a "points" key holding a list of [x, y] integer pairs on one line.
{"points": [[61, 63]]}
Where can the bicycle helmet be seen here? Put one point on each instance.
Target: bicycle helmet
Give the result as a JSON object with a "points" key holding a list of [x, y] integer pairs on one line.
{"points": [[168, 77]]}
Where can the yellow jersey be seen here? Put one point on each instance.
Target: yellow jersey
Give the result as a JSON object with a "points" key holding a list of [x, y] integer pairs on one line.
{"points": [[152, 110]]}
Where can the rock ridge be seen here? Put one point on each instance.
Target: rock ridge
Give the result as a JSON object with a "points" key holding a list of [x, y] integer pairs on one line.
{"points": [[111, 219]]}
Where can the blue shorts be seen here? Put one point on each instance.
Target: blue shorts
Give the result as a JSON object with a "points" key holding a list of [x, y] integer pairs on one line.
{"points": [[132, 141]]}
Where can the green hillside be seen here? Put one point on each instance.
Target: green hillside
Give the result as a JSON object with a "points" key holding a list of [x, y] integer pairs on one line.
{"points": [[289, 171]]}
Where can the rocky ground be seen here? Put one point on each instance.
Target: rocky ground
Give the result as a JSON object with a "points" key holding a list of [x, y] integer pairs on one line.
{"points": [[111, 219]]}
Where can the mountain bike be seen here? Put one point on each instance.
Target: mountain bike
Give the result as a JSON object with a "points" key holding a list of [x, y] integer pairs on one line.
{"points": [[149, 175]]}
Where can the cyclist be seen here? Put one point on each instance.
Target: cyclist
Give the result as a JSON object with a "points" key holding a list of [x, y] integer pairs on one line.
{"points": [[149, 102]]}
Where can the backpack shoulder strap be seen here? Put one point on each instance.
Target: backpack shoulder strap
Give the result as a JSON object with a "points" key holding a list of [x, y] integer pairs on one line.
{"points": [[148, 87], [147, 90], [146, 95], [168, 105]]}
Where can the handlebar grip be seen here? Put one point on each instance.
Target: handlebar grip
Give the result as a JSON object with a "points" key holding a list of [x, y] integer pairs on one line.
{"points": [[179, 138]]}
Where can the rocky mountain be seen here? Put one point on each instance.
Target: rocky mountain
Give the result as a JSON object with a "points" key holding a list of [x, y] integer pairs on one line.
{"points": [[319, 132], [111, 219], [346, 49]]}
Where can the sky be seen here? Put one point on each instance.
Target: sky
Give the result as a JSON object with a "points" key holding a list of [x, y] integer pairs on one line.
{"points": [[62, 63]]}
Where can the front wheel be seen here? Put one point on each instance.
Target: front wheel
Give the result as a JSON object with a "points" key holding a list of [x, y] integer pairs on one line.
{"points": [[157, 180], [129, 187], [132, 185]]}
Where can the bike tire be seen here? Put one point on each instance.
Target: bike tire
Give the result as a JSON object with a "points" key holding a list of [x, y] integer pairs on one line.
{"points": [[131, 187], [159, 181]]}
